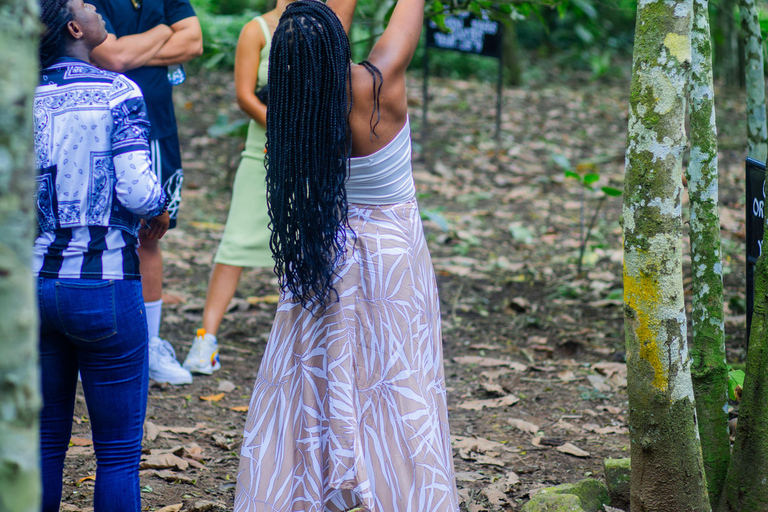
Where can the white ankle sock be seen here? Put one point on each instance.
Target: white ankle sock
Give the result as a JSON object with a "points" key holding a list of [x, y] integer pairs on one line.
{"points": [[154, 310]]}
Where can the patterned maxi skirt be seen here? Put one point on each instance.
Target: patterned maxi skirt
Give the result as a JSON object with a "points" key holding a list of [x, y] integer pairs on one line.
{"points": [[349, 407]]}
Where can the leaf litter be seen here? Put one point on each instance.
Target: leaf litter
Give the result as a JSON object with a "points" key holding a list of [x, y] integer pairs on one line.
{"points": [[506, 271]]}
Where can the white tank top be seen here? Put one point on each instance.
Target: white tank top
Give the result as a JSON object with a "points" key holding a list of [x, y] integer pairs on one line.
{"points": [[383, 177]]}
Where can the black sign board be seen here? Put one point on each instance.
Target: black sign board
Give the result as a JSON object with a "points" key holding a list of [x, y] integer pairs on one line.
{"points": [[467, 33], [755, 223]]}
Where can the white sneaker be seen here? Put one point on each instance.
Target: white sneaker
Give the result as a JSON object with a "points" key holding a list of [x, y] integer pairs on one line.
{"points": [[163, 366], [203, 357]]}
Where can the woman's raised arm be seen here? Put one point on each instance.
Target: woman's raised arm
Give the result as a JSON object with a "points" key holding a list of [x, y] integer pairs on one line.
{"points": [[395, 48], [345, 10]]}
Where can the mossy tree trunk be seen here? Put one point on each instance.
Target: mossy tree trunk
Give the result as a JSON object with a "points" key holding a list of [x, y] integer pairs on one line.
{"points": [[19, 401], [709, 371], [753, 52], [746, 488], [667, 466]]}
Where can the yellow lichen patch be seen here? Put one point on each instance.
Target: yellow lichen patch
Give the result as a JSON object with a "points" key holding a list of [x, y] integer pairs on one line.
{"points": [[679, 46], [641, 293]]}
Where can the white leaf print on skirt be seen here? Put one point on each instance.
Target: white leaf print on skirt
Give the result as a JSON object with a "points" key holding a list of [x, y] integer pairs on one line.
{"points": [[349, 406]]}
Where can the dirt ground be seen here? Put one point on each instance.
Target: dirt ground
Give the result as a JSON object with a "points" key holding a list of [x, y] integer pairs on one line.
{"points": [[533, 350]]}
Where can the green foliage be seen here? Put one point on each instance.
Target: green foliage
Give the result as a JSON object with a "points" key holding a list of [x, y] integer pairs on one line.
{"points": [[223, 126], [586, 174], [735, 383], [592, 394], [221, 30], [435, 216], [587, 34], [233, 7]]}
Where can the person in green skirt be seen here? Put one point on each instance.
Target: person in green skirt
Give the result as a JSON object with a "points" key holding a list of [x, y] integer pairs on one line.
{"points": [[246, 236]]}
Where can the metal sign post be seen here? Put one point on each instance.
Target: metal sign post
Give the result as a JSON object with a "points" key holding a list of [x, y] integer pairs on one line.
{"points": [[467, 33]]}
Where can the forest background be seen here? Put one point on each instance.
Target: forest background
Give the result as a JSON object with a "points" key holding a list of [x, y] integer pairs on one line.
{"points": [[588, 35], [533, 337]]}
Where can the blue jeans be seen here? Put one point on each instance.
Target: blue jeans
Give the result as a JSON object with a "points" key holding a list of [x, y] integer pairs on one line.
{"points": [[99, 328]]}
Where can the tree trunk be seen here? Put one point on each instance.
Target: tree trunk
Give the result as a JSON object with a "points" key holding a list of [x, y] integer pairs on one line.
{"points": [[727, 59], [19, 400], [512, 64], [709, 371], [667, 466], [746, 488], [753, 52]]}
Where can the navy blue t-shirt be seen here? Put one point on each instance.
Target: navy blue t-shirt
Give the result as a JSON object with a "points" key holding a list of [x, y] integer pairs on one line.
{"points": [[123, 20]]}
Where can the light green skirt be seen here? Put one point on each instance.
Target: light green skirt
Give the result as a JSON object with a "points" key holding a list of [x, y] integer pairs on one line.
{"points": [[246, 236]]}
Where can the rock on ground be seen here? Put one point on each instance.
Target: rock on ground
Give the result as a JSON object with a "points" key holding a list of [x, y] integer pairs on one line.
{"points": [[617, 477], [590, 494], [545, 502]]}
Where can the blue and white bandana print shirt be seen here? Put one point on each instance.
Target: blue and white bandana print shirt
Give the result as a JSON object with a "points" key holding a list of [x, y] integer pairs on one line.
{"points": [[95, 180]]}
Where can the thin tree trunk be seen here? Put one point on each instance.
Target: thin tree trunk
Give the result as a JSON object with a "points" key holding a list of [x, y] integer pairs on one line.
{"points": [[727, 58], [514, 74], [753, 51], [746, 488], [19, 401], [667, 466], [709, 371]]}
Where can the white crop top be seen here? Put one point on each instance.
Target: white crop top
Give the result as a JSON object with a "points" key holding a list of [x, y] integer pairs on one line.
{"points": [[383, 177]]}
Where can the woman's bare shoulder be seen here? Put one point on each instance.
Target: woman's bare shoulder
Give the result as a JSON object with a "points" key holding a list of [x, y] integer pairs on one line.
{"points": [[388, 119], [252, 33]]}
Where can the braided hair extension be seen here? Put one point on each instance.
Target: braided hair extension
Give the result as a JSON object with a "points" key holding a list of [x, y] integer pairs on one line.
{"points": [[54, 14], [308, 149], [375, 73]]}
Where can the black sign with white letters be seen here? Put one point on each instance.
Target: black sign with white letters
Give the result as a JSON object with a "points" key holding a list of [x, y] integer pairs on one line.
{"points": [[755, 207], [755, 223], [467, 33]]}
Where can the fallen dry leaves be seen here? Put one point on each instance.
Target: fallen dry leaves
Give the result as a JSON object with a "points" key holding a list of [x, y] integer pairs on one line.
{"points": [[171, 508], [572, 449], [490, 362], [226, 386], [163, 461], [213, 398], [477, 405], [266, 299], [525, 426]]}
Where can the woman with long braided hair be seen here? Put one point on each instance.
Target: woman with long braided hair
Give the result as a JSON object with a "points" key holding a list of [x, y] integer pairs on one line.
{"points": [[95, 187], [349, 407]]}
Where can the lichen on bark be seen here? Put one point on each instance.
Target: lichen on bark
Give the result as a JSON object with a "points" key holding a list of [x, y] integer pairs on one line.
{"points": [[19, 401], [667, 466], [708, 370], [757, 133]]}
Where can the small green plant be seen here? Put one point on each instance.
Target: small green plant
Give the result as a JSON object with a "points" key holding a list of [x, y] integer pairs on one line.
{"points": [[735, 384], [587, 174], [224, 127], [435, 216], [592, 394]]}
